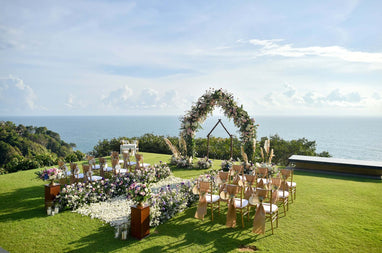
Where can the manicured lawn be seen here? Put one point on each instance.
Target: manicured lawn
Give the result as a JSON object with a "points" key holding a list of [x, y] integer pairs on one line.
{"points": [[330, 214]]}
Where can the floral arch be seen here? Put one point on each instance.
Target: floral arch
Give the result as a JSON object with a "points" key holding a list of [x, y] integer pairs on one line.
{"points": [[205, 105]]}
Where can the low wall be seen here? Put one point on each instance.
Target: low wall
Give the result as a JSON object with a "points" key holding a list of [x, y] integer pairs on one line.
{"points": [[356, 167]]}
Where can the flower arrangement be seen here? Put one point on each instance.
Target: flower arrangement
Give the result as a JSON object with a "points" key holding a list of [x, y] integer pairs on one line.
{"points": [[169, 201], [204, 163], [49, 174], [193, 119], [181, 162], [272, 169], [138, 192], [226, 165], [167, 196]]}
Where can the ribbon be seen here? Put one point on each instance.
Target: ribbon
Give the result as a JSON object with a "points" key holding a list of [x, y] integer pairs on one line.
{"points": [[126, 159], [231, 214], [237, 180], [248, 192], [202, 206], [259, 220], [260, 184]]}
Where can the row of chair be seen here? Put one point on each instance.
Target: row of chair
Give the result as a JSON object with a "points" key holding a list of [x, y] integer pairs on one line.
{"points": [[74, 176], [243, 191]]}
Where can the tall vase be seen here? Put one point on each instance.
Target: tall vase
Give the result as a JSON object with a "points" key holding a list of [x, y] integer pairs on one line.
{"points": [[51, 182]]}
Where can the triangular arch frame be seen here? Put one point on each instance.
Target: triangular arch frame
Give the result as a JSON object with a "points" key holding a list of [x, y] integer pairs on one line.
{"points": [[204, 106]]}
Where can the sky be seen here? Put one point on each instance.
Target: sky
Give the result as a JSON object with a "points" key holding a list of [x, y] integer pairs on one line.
{"points": [[319, 58]]}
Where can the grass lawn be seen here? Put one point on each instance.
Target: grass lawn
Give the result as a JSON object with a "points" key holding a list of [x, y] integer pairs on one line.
{"points": [[330, 214]]}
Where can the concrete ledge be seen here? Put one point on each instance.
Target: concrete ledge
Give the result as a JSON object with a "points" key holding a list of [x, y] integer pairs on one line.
{"points": [[345, 166]]}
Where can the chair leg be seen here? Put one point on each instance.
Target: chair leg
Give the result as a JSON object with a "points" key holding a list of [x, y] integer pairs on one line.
{"points": [[271, 218], [212, 212], [277, 219], [284, 208], [242, 220], [295, 191]]}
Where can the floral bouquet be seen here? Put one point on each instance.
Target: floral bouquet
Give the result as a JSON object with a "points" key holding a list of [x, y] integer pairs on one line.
{"points": [[226, 165], [204, 163], [49, 174], [272, 169], [139, 193]]}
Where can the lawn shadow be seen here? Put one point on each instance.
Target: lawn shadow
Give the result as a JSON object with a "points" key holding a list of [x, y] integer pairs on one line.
{"points": [[101, 241], [206, 234], [23, 203]]}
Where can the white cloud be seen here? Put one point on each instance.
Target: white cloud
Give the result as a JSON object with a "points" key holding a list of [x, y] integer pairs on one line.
{"points": [[272, 47], [147, 100], [16, 96], [72, 102], [119, 98]]}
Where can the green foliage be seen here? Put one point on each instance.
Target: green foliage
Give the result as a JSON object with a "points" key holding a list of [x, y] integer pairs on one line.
{"points": [[219, 147], [18, 163], [283, 149], [28, 147], [47, 159]]}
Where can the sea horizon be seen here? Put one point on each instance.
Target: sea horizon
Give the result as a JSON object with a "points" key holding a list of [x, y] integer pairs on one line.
{"points": [[349, 137]]}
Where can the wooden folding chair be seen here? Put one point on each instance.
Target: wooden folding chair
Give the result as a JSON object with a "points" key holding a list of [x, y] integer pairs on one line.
{"points": [[265, 210], [288, 175], [236, 203]]}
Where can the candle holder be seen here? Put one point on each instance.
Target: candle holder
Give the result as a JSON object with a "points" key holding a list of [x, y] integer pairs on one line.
{"points": [[117, 232], [124, 235], [49, 211]]}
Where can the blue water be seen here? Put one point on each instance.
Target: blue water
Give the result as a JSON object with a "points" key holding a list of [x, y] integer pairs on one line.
{"points": [[343, 137]]}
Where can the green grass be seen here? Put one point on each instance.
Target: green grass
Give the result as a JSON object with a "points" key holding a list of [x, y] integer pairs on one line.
{"points": [[330, 214]]}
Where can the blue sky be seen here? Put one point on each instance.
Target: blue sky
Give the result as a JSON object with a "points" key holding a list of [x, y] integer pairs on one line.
{"points": [[157, 57]]}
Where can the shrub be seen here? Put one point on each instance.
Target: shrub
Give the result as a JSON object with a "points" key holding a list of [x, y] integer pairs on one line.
{"points": [[72, 157], [20, 163]]}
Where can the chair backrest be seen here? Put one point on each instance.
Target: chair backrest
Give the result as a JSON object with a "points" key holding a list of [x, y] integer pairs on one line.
{"points": [[74, 172], [235, 191], [262, 172], [139, 160], [204, 187], [264, 195], [73, 168], [91, 161], [224, 176], [139, 157], [87, 172], [285, 173], [276, 182], [114, 155], [238, 169], [250, 179]]}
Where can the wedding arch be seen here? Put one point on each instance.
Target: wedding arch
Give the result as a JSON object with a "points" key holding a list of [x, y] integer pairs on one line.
{"points": [[205, 105]]}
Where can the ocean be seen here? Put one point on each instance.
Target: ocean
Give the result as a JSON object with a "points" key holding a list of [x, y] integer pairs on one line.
{"points": [[343, 137]]}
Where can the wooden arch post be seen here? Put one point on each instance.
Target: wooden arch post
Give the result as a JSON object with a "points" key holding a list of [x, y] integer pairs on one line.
{"points": [[208, 137]]}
